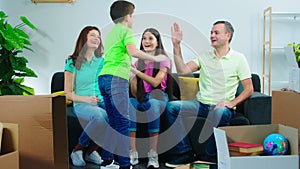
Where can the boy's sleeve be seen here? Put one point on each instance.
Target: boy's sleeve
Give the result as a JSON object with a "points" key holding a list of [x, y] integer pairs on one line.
{"points": [[129, 38]]}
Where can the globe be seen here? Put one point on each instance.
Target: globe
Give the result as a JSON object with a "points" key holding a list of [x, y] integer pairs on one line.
{"points": [[276, 144]]}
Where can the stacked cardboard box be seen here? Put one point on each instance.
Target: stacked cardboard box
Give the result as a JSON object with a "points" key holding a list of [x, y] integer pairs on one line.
{"points": [[42, 129], [9, 155], [285, 108]]}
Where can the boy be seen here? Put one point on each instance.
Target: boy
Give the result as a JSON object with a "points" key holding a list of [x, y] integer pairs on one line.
{"points": [[114, 80]]}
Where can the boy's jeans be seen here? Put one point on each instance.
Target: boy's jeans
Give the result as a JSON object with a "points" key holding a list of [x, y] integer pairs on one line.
{"points": [[115, 92]]}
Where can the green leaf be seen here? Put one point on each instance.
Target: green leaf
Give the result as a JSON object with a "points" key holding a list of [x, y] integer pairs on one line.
{"points": [[2, 15], [18, 80], [27, 90], [13, 69], [5, 90], [26, 42], [16, 89], [28, 23], [21, 33]]}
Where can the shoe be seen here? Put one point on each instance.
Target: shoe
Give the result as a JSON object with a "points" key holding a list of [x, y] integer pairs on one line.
{"points": [[181, 159], [109, 164], [134, 157], [77, 159], [153, 159], [129, 167], [94, 157]]}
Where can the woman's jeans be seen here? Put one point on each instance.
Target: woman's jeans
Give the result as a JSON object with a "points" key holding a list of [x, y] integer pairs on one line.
{"points": [[115, 92], [218, 116], [152, 106], [93, 118]]}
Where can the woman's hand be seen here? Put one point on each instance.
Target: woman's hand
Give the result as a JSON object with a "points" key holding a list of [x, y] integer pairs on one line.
{"points": [[92, 100]]}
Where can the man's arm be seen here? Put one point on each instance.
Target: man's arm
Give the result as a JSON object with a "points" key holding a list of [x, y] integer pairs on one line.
{"points": [[181, 67], [246, 93]]}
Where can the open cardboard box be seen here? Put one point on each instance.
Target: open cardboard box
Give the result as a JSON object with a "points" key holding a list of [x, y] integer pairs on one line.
{"points": [[9, 155], [285, 109], [255, 134], [42, 121]]}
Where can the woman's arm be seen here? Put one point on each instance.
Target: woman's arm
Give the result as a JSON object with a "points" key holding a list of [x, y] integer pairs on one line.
{"points": [[71, 95]]}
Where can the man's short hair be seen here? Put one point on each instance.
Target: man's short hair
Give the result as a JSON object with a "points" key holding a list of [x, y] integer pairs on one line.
{"points": [[119, 9], [228, 26]]}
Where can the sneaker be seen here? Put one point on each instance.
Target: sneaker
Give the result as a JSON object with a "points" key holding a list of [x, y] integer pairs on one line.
{"points": [[109, 164], [152, 159], [134, 157], [181, 159], [94, 157], [129, 167], [77, 159]]}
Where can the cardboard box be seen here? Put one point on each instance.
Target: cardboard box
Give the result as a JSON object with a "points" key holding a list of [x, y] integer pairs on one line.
{"points": [[42, 124], [285, 109], [255, 134], [9, 155]]}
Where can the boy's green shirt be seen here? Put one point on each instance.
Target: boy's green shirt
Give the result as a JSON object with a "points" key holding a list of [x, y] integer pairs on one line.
{"points": [[117, 59]]}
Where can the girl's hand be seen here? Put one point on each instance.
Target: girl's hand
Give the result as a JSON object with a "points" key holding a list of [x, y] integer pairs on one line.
{"points": [[133, 71]]}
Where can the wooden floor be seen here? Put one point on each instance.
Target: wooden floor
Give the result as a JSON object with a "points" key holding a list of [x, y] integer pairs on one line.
{"points": [[93, 166]]}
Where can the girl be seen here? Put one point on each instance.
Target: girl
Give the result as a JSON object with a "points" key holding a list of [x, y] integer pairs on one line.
{"points": [[150, 96]]}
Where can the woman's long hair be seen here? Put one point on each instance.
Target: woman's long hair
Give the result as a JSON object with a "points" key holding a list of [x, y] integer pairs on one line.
{"points": [[80, 48], [141, 67]]}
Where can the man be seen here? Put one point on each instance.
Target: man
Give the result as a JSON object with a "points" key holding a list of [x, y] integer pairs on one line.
{"points": [[221, 70]]}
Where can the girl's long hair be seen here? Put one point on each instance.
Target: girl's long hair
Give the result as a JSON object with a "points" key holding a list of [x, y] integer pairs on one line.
{"points": [[141, 67]]}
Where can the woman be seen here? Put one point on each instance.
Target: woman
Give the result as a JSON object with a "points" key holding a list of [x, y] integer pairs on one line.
{"points": [[148, 85], [81, 86]]}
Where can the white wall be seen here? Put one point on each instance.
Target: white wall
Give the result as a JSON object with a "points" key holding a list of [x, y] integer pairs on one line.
{"points": [[60, 23]]}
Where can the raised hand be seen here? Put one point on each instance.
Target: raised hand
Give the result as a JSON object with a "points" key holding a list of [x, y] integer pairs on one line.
{"points": [[176, 34]]}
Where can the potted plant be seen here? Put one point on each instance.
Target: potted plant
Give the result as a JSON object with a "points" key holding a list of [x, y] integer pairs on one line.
{"points": [[297, 51], [13, 69]]}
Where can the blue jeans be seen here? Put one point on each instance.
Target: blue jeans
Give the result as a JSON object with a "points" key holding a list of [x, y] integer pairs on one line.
{"points": [[218, 116], [115, 92], [93, 118], [152, 107]]}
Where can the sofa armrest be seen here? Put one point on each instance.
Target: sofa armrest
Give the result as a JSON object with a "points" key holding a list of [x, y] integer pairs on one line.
{"points": [[257, 108]]}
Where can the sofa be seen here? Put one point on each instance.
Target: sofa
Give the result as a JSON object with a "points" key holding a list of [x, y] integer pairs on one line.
{"points": [[255, 110]]}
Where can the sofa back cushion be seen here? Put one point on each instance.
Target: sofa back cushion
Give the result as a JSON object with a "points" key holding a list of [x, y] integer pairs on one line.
{"points": [[57, 82], [189, 86]]}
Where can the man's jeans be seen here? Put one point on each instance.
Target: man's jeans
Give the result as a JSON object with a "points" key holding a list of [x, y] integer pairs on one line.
{"points": [[176, 110], [115, 92]]}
